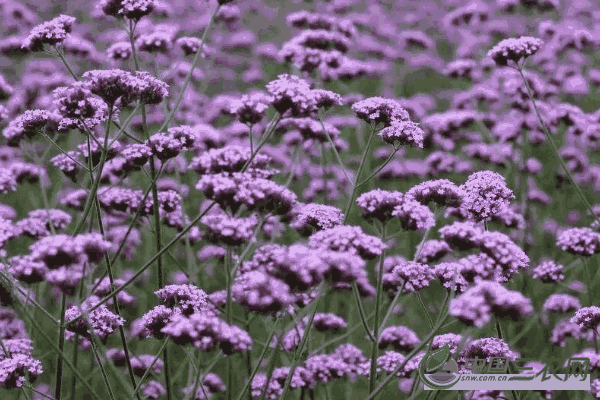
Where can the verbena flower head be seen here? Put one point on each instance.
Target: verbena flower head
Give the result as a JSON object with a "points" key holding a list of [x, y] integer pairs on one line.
{"points": [[291, 93], [318, 216], [567, 329], [326, 368], [153, 390], [432, 251], [131, 9], [506, 253], [189, 45], [50, 32], [461, 235], [548, 272], [187, 298], [18, 368], [379, 204], [378, 110], [262, 293], [487, 348], [229, 159], [155, 42], [476, 306], [412, 275], [119, 51], [114, 84], [442, 192], [325, 99], [74, 101], [403, 339], [514, 50], [453, 340], [349, 239], [221, 229], [401, 133], [486, 194], [328, 322], [101, 321], [152, 90], [250, 109], [413, 215], [561, 303], [587, 317], [579, 241]]}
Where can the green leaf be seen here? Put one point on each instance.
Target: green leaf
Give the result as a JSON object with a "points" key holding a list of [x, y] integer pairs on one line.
{"points": [[437, 359]]}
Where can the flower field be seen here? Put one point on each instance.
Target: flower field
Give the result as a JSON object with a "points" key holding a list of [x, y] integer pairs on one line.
{"points": [[304, 200]]}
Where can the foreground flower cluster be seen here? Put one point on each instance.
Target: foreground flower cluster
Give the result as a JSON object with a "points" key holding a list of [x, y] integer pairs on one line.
{"points": [[190, 212]]}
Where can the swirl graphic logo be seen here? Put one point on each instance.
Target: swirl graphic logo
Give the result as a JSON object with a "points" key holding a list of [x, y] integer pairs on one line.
{"points": [[440, 368]]}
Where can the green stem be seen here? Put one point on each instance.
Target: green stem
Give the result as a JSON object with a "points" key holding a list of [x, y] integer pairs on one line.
{"points": [[424, 307], [61, 345], [360, 168], [361, 312], [334, 150], [149, 369], [386, 162], [228, 282], [260, 360], [378, 298], [554, 148], [102, 370], [188, 77]]}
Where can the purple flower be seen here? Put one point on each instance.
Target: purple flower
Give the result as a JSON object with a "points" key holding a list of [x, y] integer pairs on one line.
{"points": [[302, 377], [67, 164], [250, 109], [155, 42], [378, 110], [461, 235], [412, 275], [401, 133], [189, 45], [140, 364], [229, 159], [151, 89], [153, 390], [587, 317], [432, 250], [453, 340], [155, 320], [131, 9], [477, 304], [413, 215], [349, 239], [259, 292], [100, 321], [514, 49], [562, 303], [291, 93], [16, 369], [503, 251], [329, 322], [317, 216], [26, 270], [205, 332], [441, 191], [486, 194], [187, 298], [326, 368], [579, 241], [119, 51], [113, 84], [567, 329], [50, 32], [74, 101], [403, 339], [259, 386], [379, 203], [487, 348]]}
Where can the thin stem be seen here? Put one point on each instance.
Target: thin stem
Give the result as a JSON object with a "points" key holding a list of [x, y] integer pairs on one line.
{"points": [[61, 345], [393, 375], [386, 162], [188, 77], [62, 58], [149, 369], [91, 198], [378, 299], [334, 150], [422, 303], [260, 360], [102, 370], [554, 148], [361, 312], [391, 307], [228, 257], [302, 343], [360, 168]]}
